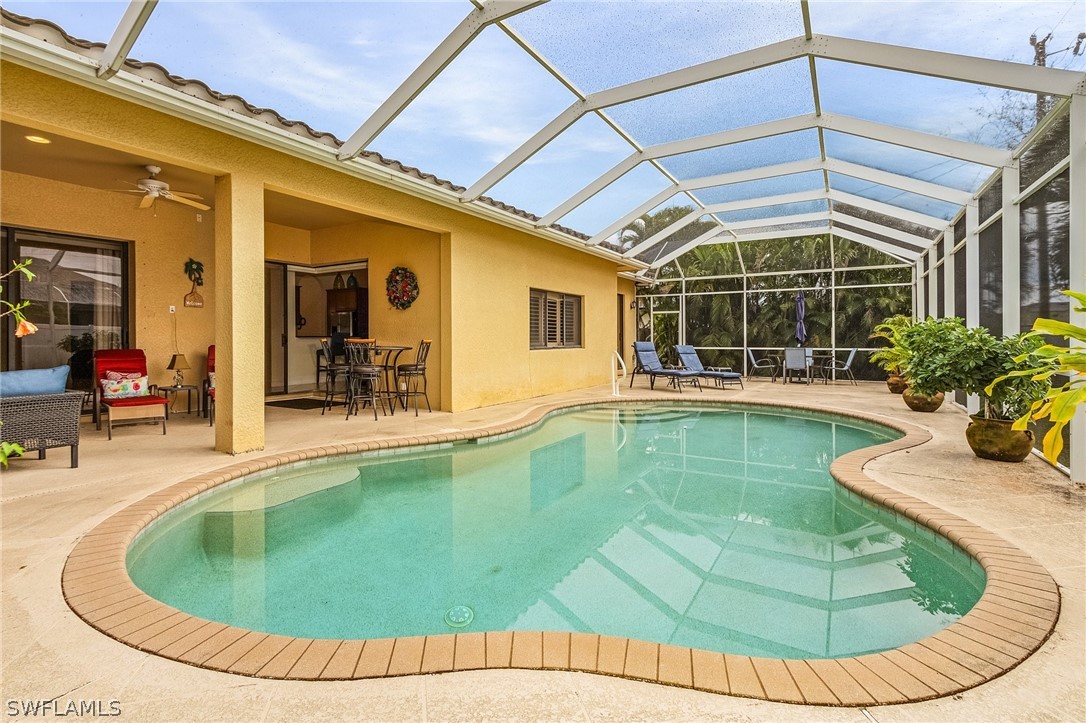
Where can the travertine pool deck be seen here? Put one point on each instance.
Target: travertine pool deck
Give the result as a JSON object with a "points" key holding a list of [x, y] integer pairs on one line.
{"points": [[1022, 521]]}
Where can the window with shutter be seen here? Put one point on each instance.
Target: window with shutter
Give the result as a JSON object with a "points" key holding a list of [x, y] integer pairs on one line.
{"points": [[554, 320]]}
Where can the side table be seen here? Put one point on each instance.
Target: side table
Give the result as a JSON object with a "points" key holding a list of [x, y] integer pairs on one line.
{"points": [[190, 388]]}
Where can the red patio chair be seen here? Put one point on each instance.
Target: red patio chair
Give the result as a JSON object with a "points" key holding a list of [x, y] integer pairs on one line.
{"points": [[129, 410], [209, 388]]}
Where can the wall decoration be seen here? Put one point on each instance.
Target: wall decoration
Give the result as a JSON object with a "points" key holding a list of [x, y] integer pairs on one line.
{"points": [[195, 271], [402, 287]]}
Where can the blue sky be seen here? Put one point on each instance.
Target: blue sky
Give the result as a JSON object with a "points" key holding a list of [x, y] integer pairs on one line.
{"points": [[332, 63]]}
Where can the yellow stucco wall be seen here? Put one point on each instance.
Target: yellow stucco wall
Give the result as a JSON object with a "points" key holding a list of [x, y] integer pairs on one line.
{"points": [[287, 244], [159, 243], [483, 269]]}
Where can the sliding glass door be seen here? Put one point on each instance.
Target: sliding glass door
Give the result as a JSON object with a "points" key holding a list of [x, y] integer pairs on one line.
{"points": [[78, 300]]}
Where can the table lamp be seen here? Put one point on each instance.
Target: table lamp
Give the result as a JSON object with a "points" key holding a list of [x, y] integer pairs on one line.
{"points": [[178, 363]]}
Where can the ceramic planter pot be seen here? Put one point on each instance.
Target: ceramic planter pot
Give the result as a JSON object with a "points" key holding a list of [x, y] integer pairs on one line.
{"points": [[994, 439], [922, 402], [896, 383]]}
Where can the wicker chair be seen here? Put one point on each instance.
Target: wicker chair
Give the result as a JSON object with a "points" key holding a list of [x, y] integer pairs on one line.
{"points": [[42, 421]]}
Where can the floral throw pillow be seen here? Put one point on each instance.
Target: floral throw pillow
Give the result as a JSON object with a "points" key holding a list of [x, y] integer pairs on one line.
{"points": [[211, 380], [124, 388]]}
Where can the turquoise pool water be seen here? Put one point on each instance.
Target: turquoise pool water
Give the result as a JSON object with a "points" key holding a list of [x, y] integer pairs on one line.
{"points": [[713, 528]]}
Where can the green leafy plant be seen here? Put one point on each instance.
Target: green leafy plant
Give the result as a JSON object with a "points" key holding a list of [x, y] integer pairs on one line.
{"points": [[22, 328], [982, 359], [931, 366], [1058, 404], [895, 355]]}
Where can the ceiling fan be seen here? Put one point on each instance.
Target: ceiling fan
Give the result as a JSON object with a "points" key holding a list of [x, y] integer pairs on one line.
{"points": [[154, 189]]}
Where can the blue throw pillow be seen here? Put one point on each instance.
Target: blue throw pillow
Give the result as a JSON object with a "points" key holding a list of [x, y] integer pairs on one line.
{"points": [[28, 382]]}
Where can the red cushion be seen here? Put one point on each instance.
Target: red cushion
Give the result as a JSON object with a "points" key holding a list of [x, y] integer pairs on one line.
{"points": [[211, 392], [135, 401], [211, 358], [119, 360]]}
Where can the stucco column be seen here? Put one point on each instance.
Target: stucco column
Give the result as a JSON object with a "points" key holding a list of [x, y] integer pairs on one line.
{"points": [[239, 313]]}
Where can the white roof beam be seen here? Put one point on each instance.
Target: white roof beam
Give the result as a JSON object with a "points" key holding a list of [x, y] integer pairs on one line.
{"points": [[487, 13], [124, 37], [903, 183], [778, 220], [895, 251], [620, 169], [906, 238], [791, 233], [721, 207], [1001, 74], [693, 243], [529, 148], [724, 138], [634, 214], [889, 210], [846, 124], [963, 151], [753, 174], [965, 68]]}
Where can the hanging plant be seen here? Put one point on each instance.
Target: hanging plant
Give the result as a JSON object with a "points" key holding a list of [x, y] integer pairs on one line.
{"points": [[402, 287]]}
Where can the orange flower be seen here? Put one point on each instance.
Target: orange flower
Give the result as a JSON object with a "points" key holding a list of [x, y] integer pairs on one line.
{"points": [[24, 328]]}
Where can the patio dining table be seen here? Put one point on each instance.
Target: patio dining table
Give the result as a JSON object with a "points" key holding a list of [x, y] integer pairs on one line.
{"points": [[814, 360], [390, 358]]}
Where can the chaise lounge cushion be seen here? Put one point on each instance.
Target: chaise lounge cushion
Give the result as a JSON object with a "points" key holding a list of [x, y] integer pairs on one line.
{"points": [[31, 382]]}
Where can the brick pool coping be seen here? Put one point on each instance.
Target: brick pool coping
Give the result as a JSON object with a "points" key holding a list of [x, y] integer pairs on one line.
{"points": [[1016, 613]]}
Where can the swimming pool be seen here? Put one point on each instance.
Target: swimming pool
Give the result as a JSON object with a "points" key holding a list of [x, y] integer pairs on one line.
{"points": [[712, 528]]}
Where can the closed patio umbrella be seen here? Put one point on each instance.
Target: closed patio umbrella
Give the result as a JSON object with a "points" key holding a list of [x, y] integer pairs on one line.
{"points": [[801, 312]]}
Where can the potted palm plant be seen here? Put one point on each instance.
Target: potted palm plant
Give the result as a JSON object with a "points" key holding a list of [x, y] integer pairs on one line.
{"points": [[930, 369], [1041, 363], [893, 356]]}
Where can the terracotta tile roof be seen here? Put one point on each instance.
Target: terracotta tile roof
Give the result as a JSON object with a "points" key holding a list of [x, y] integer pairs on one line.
{"points": [[53, 34]]}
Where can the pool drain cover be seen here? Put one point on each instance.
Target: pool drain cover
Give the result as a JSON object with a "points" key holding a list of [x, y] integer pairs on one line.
{"points": [[458, 616]]}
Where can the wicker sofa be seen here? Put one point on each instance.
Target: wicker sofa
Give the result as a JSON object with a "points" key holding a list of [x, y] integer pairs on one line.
{"points": [[42, 421]]}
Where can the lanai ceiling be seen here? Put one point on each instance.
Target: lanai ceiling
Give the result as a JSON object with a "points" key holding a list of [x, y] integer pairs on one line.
{"points": [[877, 121]]}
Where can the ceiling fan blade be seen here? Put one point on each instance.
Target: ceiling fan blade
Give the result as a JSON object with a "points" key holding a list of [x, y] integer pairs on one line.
{"points": [[147, 201], [171, 196], [185, 194], [126, 190]]}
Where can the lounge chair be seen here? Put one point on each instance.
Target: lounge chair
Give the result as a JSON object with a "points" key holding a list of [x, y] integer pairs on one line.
{"points": [[122, 392], [648, 363], [688, 357], [763, 363]]}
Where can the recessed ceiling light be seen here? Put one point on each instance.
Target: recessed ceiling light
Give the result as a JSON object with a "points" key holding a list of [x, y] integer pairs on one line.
{"points": [[38, 139]]}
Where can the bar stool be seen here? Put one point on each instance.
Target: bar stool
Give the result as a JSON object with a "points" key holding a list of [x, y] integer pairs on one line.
{"points": [[333, 371], [363, 376], [408, 377]]}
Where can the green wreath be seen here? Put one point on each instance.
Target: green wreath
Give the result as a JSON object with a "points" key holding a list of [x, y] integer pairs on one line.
{"points": [[402, 287]]}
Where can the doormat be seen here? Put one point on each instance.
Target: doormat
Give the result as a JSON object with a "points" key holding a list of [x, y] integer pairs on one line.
{"points": [[303, 403]]}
